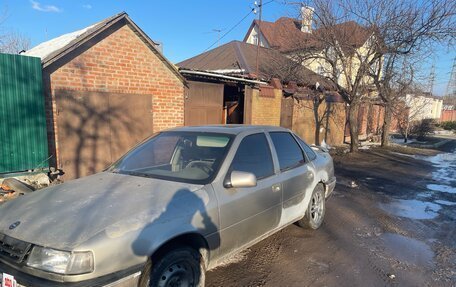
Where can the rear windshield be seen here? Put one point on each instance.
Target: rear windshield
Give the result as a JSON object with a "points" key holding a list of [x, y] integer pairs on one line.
{"points": [[191, 157]]}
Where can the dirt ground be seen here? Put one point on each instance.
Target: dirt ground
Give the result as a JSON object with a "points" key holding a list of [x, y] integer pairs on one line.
{"points": [[396, 228]]}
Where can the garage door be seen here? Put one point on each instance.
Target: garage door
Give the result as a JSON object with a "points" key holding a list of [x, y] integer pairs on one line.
{"points": [[96, 128]]}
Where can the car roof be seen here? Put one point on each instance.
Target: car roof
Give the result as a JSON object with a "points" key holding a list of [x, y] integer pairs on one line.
{"points": [[228, 129]]}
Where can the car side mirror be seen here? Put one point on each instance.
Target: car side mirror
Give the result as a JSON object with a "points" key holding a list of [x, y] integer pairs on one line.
{"points": [[238, 179]]}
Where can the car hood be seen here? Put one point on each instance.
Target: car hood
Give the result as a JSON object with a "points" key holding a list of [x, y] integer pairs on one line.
{"points": [[66, 215]]}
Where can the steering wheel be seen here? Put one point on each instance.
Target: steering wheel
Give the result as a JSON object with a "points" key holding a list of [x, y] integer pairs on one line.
{"points": [[201, 165]]}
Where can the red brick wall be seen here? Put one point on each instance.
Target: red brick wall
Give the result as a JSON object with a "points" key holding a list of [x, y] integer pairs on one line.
{"points": [[448, 116], [120, 63], [375, 119], [363, 119]]}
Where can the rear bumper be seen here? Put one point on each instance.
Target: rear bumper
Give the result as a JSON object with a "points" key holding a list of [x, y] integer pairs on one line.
{"points": [[123, 278], [330, 185]]}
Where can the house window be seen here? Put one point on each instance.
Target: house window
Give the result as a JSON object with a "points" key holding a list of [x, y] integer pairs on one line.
{"points": [[255, 39], [320, 70]]}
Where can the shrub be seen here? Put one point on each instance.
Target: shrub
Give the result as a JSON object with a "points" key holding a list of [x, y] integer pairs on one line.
{"points": [[448, 125], [422, 128]]}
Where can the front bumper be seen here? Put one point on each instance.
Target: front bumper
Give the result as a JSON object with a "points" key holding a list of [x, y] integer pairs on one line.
{"points": [[330, 185], [123, 278]]}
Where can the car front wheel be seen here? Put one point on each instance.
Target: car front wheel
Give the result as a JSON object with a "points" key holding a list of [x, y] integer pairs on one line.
{"points": [[315, 212], [181, 267]]}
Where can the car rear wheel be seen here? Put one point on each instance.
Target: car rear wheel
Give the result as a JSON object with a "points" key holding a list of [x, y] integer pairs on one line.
{"points": [[315, 212], [181, 267]]}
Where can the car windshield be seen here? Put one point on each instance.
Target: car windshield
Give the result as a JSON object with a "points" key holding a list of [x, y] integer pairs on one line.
{"points": [[192, 157]]}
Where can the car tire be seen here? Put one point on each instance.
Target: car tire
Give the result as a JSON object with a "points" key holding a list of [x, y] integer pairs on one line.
{"points": [[182, 266], [316, 209]]}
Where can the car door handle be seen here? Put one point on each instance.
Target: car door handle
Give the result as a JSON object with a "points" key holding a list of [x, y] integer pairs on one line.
{"points": [[310, 175], [276, 188]]}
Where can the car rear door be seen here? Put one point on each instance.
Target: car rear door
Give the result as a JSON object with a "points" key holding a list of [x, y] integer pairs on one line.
{"points": [[296, 174], [248, 213]]}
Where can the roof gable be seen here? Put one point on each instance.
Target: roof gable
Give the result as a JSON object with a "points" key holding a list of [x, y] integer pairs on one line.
{"points": [[54, 49], [285, 34]]}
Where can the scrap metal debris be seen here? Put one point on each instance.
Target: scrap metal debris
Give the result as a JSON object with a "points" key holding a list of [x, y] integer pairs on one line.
{"points": [[12, 188], [353, 184]]}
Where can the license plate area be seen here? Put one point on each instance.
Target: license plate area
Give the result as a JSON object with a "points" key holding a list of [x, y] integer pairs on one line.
{"points": [[8, 280]]}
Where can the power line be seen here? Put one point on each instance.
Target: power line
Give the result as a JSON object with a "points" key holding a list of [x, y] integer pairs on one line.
{"points": [[258, 40], [231, 29], [252, 10]]}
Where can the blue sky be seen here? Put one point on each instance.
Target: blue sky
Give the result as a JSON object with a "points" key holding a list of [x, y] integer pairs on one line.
{"points": [[186, 28]]}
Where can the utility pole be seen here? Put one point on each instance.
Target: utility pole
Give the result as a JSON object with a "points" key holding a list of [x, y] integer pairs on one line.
{"points": [[451, 87], [258, 39], [431, 79]]}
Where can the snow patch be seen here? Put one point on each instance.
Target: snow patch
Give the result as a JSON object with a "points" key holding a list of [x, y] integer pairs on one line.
{"points": [[415, 209], [444, 202], [445, 173], [45, 49], [442, 188]]}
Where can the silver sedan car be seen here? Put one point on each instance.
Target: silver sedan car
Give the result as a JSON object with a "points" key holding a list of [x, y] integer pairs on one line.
{"points": [[176, 205]]}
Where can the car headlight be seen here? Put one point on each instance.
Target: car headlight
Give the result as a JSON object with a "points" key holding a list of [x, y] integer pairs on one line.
{"points": [[61, 262]]}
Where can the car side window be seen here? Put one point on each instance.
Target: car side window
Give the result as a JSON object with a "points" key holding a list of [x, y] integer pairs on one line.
{"points": [[254, 155], [288, 151], [307, 149]]}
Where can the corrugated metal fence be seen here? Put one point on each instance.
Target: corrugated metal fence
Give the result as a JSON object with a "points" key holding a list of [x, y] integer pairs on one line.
{"points": [[23, 137]]}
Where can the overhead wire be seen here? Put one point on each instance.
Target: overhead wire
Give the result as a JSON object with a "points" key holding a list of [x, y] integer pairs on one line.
{"points": [[231, 29]]}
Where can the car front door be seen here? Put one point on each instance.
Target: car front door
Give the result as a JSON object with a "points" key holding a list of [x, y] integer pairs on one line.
{"points": [[296, 174], [248, 213]]}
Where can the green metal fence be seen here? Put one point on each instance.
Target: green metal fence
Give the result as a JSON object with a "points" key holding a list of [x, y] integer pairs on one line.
{"points": [[23, 137]]}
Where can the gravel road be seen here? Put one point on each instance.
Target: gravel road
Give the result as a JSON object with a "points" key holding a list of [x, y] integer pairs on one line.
{"points": [[396, 228]]}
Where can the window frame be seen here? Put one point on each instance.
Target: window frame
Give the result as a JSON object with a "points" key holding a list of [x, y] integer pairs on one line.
{"points": [[298, 139], [304, 156], [229, 170]]}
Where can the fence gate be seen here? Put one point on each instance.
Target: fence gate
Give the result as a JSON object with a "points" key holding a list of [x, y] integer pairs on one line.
{"points": [[22, 115]]}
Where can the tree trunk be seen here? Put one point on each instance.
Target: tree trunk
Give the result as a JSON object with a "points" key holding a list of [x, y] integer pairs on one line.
{"points": [[353, 121], [370, 119], [407, 126], [386, 126], [317, 123]]}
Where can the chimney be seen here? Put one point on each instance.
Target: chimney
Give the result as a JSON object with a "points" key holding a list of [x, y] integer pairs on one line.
{"points": [[306, 19]]}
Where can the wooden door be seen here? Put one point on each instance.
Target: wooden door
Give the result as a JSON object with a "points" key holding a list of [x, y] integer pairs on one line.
{"points": [[286, 113], [203, 104]]}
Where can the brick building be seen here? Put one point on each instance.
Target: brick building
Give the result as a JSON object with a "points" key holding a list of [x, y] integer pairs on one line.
{"points": [[107, 87], [242, 98], [259, 99]]}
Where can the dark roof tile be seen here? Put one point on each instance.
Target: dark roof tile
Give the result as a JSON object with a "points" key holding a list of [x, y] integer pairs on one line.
{"points": [[241, 56]]}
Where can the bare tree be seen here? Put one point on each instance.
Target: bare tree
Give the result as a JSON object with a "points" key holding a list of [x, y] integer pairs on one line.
{"points": [[406, 31], [336, 47], [417, 107], [314, 103], [352, 38], [392, 83], [11, 42], [291, 70]]}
